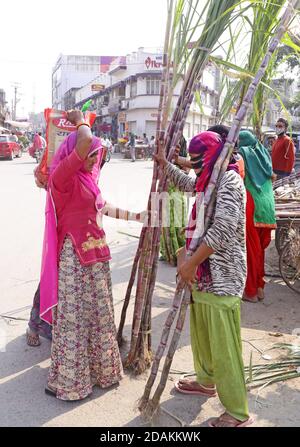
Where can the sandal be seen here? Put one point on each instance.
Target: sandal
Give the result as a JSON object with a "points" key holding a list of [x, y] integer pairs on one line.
{"points": [[32, 338], [226, 420], [201, 390]]}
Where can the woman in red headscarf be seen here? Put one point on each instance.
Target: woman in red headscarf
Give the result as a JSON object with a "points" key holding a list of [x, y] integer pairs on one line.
{"points": [[75, 286], [216, 275]]}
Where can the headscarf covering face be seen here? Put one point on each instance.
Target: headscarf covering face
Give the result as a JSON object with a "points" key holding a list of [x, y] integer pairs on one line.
{"points": [[258, 164], [207, 147]]}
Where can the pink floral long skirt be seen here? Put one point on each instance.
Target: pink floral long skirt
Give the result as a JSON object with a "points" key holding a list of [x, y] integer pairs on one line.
{"points": [[84, 346]]}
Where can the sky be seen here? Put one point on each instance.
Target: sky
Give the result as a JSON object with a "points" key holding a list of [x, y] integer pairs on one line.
{"points": [[36, 32]]}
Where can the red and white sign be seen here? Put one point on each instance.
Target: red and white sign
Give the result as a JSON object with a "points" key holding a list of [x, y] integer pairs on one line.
{"points": [[154, 62], [64, 124]]}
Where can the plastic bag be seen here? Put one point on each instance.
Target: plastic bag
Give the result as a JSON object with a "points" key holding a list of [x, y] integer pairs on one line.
{"points": [[58, 128]]}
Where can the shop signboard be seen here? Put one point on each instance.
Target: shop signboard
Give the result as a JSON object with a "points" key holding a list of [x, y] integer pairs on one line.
{"points": [[97, 87]]}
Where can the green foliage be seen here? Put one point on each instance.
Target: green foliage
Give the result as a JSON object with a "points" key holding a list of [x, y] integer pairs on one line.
{"points": [[289, 52], [259, 23]]}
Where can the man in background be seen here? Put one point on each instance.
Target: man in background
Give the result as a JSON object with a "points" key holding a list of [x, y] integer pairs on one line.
{"points": [[283, 151]]}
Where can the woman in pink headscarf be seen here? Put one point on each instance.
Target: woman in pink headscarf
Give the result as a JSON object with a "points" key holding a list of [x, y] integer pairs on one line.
{"points": [[216, 276], [76, 290]]}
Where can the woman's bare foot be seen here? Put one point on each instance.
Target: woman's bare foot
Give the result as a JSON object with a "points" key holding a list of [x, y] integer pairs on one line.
{"points": [[260, 294], [32, 338], [250, 299]]}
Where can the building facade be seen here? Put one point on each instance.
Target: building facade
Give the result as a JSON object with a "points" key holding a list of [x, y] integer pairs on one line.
{"points": [[73, 71], [129, 97]]}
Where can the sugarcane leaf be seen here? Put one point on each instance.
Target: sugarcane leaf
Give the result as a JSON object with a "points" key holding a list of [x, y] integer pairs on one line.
{"points": [[286, 40]]}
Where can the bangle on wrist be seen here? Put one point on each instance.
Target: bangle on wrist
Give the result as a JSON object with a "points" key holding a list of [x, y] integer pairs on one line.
{"points": [[82, 124]]}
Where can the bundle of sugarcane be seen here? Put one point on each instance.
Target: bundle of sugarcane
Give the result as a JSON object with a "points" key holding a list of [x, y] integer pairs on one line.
{"points": [[288, 367], [146, 259], [139, 356], [148, 406], [293, 178]]}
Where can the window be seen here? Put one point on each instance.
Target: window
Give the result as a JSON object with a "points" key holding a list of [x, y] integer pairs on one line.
{"points": [[196, 129], [203, 97], [187, 130], [212, 100], [133, 89], [153, 86]]}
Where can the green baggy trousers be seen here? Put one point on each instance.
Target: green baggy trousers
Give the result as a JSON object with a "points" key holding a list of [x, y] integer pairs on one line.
{"points": [[217, 349]]}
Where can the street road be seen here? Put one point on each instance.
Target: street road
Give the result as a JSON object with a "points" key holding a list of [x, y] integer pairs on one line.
{"points": [[23, 370], [122, 183]]}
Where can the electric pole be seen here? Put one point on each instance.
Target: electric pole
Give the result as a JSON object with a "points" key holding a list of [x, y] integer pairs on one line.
{"points": [[16, 99]]}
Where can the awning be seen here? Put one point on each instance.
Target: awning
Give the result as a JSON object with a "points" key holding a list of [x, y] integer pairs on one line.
{"points": [[19, 124], [3, 129]]}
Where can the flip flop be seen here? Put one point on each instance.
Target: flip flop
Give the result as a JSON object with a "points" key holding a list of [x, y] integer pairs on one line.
{"points": [[245, 423], [195, 392]]}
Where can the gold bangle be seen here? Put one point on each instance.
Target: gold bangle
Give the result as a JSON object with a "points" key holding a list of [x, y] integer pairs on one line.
{"points": [[82, 124]]}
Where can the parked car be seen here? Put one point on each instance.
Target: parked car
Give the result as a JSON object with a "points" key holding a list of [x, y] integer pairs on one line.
{"points": [[9, 148]]}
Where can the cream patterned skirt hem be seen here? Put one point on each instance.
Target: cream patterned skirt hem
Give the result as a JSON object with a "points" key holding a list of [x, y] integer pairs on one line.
{"points": [[84, 347]]}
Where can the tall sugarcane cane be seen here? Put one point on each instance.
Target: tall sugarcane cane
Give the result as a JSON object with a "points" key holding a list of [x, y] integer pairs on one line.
{"points": [[146, 239], [219, 14], [160, 134], [149, 407], [163, 89]]}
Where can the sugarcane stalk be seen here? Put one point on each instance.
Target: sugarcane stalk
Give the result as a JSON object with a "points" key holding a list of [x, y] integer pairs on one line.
{"points": [[163, 90], [161, 349], [143, 275], [129, 288], [149, 407], [183, 106]]}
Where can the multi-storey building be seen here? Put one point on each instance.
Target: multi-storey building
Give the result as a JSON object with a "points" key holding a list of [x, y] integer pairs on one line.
{"points": [[129, 96], [73, 71]]}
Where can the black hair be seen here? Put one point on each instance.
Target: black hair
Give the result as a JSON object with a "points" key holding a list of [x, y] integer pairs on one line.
{"points": [[283, 121], [223, 131]]}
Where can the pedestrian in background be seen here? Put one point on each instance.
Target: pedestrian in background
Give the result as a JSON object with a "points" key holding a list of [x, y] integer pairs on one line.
{"points": [[283, 151], [260, 212], [132, 146]]}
